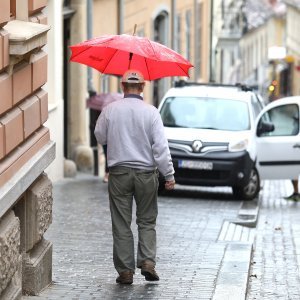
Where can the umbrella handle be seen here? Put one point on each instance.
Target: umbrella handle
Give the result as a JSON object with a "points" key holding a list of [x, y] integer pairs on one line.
{"points": [[131, 54]]}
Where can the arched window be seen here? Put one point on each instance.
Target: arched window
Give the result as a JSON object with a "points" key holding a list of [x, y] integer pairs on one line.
{"points": [[161, 28], [160, 35], [188, 29]]}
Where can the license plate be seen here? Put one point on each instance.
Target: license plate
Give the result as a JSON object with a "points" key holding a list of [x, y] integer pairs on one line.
{"points": [[191, 164]]}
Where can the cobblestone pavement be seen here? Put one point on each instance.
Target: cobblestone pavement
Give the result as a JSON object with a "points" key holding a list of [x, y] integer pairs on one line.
{"points": [[189, 253], [275, 264]]}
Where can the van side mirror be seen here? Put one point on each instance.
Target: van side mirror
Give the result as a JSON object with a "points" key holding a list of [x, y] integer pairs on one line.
{"points": [[264, 127]]}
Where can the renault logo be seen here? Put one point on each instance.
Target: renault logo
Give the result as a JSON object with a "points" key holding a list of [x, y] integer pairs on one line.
{"points": [[196, 146]]}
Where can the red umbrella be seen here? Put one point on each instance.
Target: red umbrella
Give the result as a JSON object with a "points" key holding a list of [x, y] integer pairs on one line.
{"points": [[114, 54], [99, 101]]}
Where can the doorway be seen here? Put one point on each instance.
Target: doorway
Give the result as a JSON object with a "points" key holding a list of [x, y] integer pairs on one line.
{"points": [[161, 33], [68, 12]]}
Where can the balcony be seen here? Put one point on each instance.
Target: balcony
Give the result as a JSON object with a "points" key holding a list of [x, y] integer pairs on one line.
{"points": [[25, 36], [229, 38]]}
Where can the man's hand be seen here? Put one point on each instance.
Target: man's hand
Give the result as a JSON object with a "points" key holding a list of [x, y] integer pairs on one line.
{"points": [[169, 185]]}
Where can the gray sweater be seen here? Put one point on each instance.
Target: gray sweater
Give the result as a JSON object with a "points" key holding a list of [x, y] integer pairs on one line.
{"points": [[135, 136]]}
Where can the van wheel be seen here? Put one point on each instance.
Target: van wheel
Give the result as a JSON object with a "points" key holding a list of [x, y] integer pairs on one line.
{"points": [[249, 191]]}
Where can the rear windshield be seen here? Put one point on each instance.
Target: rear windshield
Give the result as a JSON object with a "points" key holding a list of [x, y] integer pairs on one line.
{"points": [[205, 113]]}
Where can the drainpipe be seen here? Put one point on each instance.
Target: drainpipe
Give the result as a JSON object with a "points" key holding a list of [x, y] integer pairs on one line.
{"points": [[212, 49], [120, 25], [120, 16], [91, 89], [196, 49], [174, 45], [173, 25]]}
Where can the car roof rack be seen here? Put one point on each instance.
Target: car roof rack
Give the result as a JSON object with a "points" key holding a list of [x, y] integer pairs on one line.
{"points": [[183, 83]]}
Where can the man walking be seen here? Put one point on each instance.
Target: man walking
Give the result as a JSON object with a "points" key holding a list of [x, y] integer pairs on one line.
{"points": [[136, 147]]}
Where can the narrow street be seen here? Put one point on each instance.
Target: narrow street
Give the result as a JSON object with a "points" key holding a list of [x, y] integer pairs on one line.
{"points": [[276, 261], [188, 259], [201, 254], [217, 82]]}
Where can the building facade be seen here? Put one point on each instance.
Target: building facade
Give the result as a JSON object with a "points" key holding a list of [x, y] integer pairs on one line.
{"points": [[29, 105], [227, 31], [181, 25], [293, 44], [45, 125], [254, 45], [249, 45]]}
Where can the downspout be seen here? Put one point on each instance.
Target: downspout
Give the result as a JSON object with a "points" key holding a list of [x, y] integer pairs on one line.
{"points": [[120, 16], [174, 45], [90, 86], [173, 25], [212, 55], [196, 49], [92, 92], [120, 25]]}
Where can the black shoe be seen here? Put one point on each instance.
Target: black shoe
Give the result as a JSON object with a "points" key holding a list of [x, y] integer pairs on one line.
{"points": [[294, 197], [148, 270], [125, 277]]}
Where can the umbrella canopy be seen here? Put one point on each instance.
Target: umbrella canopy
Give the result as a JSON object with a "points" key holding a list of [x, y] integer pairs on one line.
{"points": [[99, 101], [114, 54]]}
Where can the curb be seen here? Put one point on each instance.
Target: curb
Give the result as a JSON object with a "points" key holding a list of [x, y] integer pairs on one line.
{"points": [[233, 276], [248, 213], [232, 281]]}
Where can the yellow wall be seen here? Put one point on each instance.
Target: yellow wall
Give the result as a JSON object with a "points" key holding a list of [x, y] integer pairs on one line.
{"points": [[293, 45], [105, 21], [143, 13]]}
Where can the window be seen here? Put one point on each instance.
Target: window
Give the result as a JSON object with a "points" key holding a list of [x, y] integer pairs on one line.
{"points": [[188, 18], [12, 9], [251, 60], [104, 81], [205, 113], [161, 29], [232, 58], [178, 34], [198, 40], [161, 35], [285, 119]]}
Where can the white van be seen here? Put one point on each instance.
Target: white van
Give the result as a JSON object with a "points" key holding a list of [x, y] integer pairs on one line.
{"points": [[222, 135]]}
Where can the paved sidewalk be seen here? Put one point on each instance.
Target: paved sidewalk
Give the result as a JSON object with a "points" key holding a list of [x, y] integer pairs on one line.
{"points": [[275, 266], [193, 262]]}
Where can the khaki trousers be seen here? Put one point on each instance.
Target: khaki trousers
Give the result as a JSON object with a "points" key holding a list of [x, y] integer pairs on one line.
{"points": [[124, 185]]}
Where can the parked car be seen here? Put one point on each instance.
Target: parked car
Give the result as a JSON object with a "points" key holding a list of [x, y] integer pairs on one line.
{"points": [[222, 135]]}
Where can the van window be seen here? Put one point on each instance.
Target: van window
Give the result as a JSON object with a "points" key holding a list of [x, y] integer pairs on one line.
{"points": [[285, 119], [205, 113]]}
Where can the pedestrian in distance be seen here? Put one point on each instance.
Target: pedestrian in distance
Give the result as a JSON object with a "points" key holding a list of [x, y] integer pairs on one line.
{"points": [[96, 103], [295, 196], [137, 148]]}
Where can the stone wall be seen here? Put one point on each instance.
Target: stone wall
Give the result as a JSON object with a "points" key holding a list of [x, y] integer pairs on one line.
{"points": [[25, 150], [10, 258]]}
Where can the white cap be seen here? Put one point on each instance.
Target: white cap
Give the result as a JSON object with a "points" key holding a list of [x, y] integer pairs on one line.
{"points": [[133, 76]]}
